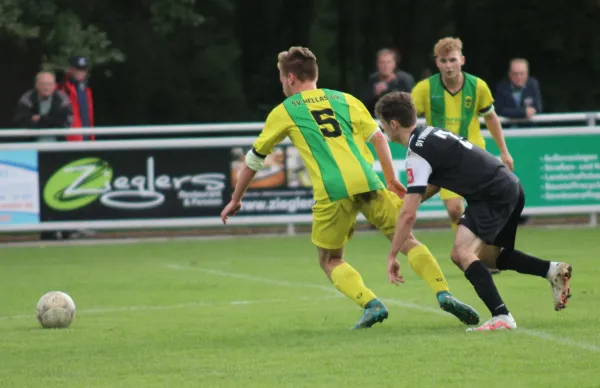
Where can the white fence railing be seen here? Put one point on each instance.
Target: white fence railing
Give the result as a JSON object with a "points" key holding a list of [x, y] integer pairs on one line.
{"points": [[150, 182], [238, 141], [588, 119]]}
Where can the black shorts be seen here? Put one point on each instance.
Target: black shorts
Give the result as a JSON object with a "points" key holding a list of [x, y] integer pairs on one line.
{"points": [[496, 222]]}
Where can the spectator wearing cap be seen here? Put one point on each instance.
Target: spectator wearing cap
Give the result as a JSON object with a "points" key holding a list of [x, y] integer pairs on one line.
{"points": [[80, 94]]}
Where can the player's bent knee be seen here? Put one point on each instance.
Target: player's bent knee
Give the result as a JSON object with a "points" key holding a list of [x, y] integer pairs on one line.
{"points": [[329, 258], [455, 213], [455, 210], [458, 255]]}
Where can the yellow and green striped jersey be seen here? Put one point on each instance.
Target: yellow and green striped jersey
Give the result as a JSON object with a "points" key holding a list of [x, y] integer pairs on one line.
{"points": [[459, 112], [330, 130]]}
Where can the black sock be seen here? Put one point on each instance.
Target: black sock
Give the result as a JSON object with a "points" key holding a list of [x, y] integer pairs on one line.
{"points": [[522, 263], [481, 279]]}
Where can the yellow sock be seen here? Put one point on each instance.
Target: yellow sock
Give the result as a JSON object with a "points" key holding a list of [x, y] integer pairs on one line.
{"points": [[454, 226], [424, 264], [350, 283]]}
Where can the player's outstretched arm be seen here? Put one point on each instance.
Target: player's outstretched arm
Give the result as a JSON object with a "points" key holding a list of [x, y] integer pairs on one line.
{"points": [[245, 177], [405, 223], [495, 127], [272, 134], [382, 149]]}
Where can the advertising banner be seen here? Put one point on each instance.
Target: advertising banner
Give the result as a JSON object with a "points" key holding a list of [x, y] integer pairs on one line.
{"points": [[19, 199], [133, 184], [282, 187], [560, 173], [555, 171], [169, 183]]}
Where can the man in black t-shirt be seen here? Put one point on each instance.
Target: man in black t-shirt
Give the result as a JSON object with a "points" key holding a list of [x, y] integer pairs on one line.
{"points": [[436, 159]]}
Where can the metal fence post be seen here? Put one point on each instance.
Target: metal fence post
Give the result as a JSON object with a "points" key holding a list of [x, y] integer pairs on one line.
{"points": [[593, 220], [291, 229], [591, 121]]}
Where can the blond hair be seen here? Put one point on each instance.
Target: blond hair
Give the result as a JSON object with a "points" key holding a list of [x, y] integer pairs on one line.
{"points": [[447, 45], [299, 61]]}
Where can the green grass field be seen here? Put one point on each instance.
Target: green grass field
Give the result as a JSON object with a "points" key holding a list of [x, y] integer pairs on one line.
{"points": [[258, 312]]}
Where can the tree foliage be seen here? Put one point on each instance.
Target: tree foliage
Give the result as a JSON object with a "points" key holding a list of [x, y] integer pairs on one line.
{"points": [[178, 61]]}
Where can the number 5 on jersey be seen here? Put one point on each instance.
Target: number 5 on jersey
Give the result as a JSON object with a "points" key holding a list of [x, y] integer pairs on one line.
{"points": [[325, 118]]}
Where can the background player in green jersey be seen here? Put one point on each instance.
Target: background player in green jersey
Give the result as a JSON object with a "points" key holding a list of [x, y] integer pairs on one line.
{"points": [[453, 99]]}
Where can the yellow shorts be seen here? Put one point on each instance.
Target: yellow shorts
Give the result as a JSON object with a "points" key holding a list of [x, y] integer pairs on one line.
{"points": [[447, 194], [333, 223]]}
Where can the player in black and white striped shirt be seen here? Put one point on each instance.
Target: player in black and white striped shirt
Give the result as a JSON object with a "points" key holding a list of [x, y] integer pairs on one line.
{"points": [[437, 159]]}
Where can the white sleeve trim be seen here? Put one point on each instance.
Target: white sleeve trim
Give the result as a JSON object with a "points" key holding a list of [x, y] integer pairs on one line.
{"points": [[373, 133], [254, 162], [418, 171], [489, 111]]}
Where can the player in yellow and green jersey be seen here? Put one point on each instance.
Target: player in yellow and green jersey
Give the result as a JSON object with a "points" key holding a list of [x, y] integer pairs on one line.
{"points": [[330, 130], [453, 99]]}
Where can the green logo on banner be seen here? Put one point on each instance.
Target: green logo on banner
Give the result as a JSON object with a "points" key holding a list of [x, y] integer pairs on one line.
{"points": [[78, 184]]}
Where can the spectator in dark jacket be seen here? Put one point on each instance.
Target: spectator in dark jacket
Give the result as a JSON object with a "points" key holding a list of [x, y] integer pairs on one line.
{"points": [[80, 94], [44, 107], [519, 95], [387, 79]]}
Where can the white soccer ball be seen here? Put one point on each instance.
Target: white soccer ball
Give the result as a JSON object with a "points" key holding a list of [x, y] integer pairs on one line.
{"points": [[55, 310]]}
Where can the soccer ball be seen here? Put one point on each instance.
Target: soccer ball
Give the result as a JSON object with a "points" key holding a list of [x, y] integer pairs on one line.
{"points": [[55, 310]]}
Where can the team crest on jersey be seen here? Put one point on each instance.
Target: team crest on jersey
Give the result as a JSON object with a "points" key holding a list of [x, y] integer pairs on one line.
{"points": [[468, 102], [410, 176]]}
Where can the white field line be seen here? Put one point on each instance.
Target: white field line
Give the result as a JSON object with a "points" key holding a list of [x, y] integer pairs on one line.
{"points": [[532, 333], [128, 240], [109, 310], [163, 239], [244, 276], [529, 332]]}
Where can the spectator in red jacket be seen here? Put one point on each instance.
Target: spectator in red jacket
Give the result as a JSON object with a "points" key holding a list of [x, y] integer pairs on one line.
{"points": [[80, 94]]}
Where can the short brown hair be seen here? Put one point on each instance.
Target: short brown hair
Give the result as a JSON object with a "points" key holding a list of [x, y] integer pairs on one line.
{"points": [[397, 106], [299, 61], [386, 51], [446, 45]]}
